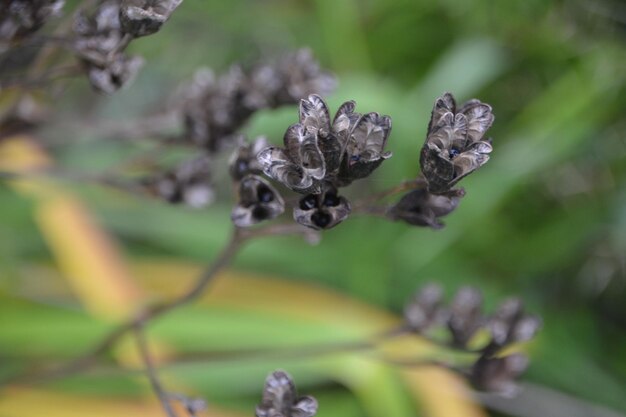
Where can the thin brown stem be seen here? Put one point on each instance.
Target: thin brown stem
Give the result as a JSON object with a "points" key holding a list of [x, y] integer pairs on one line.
{"points": [[144, 352], [238, 239]]}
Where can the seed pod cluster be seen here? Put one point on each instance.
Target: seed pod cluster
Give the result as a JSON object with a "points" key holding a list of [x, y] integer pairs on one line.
{"points": [[464, 319]]}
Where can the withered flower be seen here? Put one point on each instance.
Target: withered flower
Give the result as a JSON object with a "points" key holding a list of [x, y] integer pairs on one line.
{"points": [[244, 160], [145, 17], [454, 146], [466, 316], [258, 201], [426, 308], [20, 18], [422, 208], [510, 324], [498, 374], [189, 183], [317, 152], [280, 399], [322, 211]]}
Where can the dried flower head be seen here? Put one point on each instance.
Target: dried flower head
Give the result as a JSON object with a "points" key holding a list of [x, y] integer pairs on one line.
{"points": [[422, 208], [145, 17], [466, 316], [425, 309], [498, 374], [215, 108], [19, 18], [189, 183], [318, 152], [454, 147], [258, 201], [244, 160], [322, 211], [280, 398]]}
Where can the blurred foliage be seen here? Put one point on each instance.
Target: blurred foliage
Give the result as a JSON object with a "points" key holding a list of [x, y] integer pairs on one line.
{"points": [[545, 219]]}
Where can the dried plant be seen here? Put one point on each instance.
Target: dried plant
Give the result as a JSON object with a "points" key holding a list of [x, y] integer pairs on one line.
{"points": [[319, 156]]}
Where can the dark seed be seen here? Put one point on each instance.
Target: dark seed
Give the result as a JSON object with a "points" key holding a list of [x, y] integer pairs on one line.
{"points": [[264, 194], [241, 167], [331, 200], [260, 213], [308, 202], [321, 219]]}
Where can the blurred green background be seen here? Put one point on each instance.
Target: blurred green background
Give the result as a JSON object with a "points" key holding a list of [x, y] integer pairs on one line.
{"points": [[545, 219]]}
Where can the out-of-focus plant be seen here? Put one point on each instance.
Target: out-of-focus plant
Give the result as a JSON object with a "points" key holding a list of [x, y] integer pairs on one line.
{"points": [[319, 157]]}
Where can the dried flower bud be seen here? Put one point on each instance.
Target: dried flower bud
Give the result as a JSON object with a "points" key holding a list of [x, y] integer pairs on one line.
{"points": [[314, 148], [244, 160], [322, 211], [509, 324], [498, 374], [258, 201], [454, 147], [425, 308], [145, 17], [421, 208], [280, 399], [20, 18], [466, 316], [119, 72], [189, 183]]}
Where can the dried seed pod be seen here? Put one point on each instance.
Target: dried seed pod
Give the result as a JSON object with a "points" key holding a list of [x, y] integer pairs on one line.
{"points": [[117, 73], [258, 201], [421, 208], [316, 151], [96, 39], [498, 374], [301, 75], [189, 183], [510, 324], [454, 146], [145, 17], [20, 18], [425, 309], [215, 110], [244, 160], [466, 316], [280, 399], [322, 211], [364, 148]]}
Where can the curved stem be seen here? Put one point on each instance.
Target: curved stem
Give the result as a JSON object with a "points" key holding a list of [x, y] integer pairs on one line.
{"points": [[238, 238], [144, 352]]}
